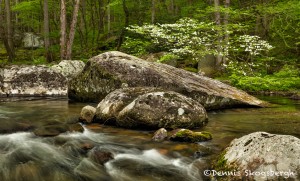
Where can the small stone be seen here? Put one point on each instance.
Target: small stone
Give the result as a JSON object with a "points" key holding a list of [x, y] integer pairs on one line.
{"points": [[75, 128], [87, 113], [160, 135], [50, 130], [101, 156]]}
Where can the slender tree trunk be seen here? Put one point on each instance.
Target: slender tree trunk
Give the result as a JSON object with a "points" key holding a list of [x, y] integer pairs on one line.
{"points": [[121, 37], [46, 31], [9, 34], [108, 17], [83, 15], [63, 29], [172, 7], [226, 39], [72, 30], [153, 11], [3, 32], [218, 23]]}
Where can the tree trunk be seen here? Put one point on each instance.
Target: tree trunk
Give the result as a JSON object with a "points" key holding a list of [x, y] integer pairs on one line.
{"points": [[46, 31], [172, 7], [153, 12], [226, 39], [72, 30], [121, 37], [63, 32], [3, 36], [108, 17], [218, 23], [9, 32]]}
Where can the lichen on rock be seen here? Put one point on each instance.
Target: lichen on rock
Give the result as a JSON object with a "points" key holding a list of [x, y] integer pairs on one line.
{"points": [[109, 71], [150, 108], [262, 154]]}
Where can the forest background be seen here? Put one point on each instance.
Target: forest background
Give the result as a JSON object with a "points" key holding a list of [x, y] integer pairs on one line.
{"points": [[251, 44]]}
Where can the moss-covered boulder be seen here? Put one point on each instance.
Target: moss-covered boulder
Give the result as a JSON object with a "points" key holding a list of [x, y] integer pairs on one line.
{"points": [[150, 108], [261, 156], [185, 135], [113, 70]]}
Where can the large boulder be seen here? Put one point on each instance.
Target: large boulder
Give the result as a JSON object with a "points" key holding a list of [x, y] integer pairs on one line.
{"points": [[31, 81], [112, 70], [150, 108], [264, 156], [69, 68]]}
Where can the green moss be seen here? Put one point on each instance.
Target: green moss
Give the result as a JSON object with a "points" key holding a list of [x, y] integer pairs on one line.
{"points": [[220, 163], [190, 136]]}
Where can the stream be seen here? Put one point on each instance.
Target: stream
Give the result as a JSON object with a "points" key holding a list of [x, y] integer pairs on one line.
{"points": [[74, 156]]}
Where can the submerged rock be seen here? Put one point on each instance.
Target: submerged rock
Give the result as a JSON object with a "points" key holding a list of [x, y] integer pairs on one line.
{"points": [[11, 126], [150, 108], [87, 113], [56, 129], [31, 81], [186, 135], [262, 154], [112, 70], [100, 156]]}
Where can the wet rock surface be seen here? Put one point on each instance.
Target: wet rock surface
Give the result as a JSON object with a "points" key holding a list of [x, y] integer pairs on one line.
{"points": [[151, 109], [56, 129], [112, 70]]}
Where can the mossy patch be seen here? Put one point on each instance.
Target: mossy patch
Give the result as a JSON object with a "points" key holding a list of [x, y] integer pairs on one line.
{"points": [[186, 135], [221, 165]]}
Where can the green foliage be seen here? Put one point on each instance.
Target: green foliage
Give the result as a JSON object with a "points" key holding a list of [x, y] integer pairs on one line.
{"points": [[287, 79], [168, 57], [288, 71], [39, 60], [29, 12], [136, 46]]}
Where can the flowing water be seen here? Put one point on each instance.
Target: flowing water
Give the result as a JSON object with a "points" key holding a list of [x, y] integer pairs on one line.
{"points": [[73, 155]]}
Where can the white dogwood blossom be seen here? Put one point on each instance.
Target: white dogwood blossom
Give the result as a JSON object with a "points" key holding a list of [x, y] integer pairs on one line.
{"points": [[191, 38]]}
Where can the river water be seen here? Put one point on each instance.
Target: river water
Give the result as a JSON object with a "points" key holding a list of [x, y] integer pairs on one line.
{"points": [[71, 156]]}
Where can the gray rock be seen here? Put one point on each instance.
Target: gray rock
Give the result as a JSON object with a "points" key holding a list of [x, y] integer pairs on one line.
{"points": [[108, 71], [150, 108], [31, 40], [264, 153], [160, 135], [69, 68], [87, 113], [31, 81]]}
